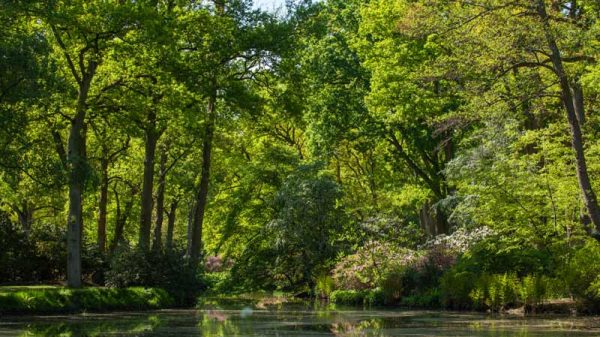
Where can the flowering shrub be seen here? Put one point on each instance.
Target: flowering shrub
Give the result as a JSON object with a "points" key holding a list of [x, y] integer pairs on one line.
{"points": [[461, 240], [437, 258], [365, 268]]}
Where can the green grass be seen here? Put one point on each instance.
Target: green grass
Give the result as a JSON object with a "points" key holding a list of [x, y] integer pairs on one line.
{"points": [[48, 299]]}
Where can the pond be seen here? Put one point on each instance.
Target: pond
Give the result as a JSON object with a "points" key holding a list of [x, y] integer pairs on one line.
{"points": [[296, 320]]}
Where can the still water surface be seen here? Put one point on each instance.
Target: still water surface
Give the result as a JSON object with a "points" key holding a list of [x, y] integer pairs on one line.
{"points": [[296, 321]]}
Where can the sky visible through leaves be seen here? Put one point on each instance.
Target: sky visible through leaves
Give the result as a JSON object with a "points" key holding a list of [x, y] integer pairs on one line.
{"points": [[269, 4]]}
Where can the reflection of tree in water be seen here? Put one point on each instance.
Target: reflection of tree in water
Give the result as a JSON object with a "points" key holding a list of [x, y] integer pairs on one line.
{"points": [[91, 328], [216, 323], [366, 328]]}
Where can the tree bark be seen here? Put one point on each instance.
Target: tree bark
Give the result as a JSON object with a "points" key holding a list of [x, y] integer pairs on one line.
{"points": [[202, 195], [148, 182], [160, 200], [76, 156], [25, 214], [577, 141], [102, 205], [121, 218], [76, 184], [171, 223], [578, 103]]}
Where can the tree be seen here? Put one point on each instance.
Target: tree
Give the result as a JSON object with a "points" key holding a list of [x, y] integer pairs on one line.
{"points": [[529, 44], [225, 45], [82, 35]]}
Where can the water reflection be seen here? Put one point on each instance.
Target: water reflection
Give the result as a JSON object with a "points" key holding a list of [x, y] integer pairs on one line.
{"points": [[304, 320]]}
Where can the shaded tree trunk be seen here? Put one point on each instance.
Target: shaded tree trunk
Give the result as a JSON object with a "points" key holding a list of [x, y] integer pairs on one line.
{"points": [[122, 216], [160, 200], [25, 215], [77, 175], [148, 182], [172, 213], [572, 105], [202, 195], [102, 205], [432, 220]]}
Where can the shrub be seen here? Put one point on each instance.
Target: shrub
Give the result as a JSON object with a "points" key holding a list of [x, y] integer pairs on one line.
{"points": [[455, 289], [465, 290], [365, 268], [358, 297], [499, 255], [393, 284], [168, 270], [429, 299], [32, 257], [533, 290], [582, 271], [460, 240], [496, 291], [324, 286]]}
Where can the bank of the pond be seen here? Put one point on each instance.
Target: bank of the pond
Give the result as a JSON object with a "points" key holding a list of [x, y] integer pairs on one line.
{"points": [[50, 300], [376, 298]]}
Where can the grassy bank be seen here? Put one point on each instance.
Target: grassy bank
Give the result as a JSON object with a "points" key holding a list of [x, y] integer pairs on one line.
{"points": [[38, 300]]}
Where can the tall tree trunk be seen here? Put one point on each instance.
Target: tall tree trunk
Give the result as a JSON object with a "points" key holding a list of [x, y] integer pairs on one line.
{"points": [[77, 174], [160, 199], [171, 223], [577, 142], [202, 195], [148, 184], [102, 205], [76, 183]]}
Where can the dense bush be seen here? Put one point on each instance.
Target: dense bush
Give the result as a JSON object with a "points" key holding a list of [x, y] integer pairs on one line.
{"points": [[367, 268], [300, 240], [465, 290], [219, 282], [358, 297], [455, 289], [325, 285], [581, 273], [33, 257], [163, 269]]}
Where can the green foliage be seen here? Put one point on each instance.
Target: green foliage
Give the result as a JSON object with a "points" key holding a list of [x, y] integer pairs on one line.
{"points": [[368, 266], [311, 152], [495, 291], [455, 289], [358, 297], [429, 299], [581, 272], [324, 286], [166, 270], [218, 282], [301, 238], [25, 300], [36, 256]]}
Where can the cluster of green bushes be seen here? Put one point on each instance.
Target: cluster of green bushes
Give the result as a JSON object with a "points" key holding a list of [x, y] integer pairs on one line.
{"points": [[464, 290], [490, 278], [495, 274], [358, 297], [59, 300], [38, 257], [169, 270]]}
